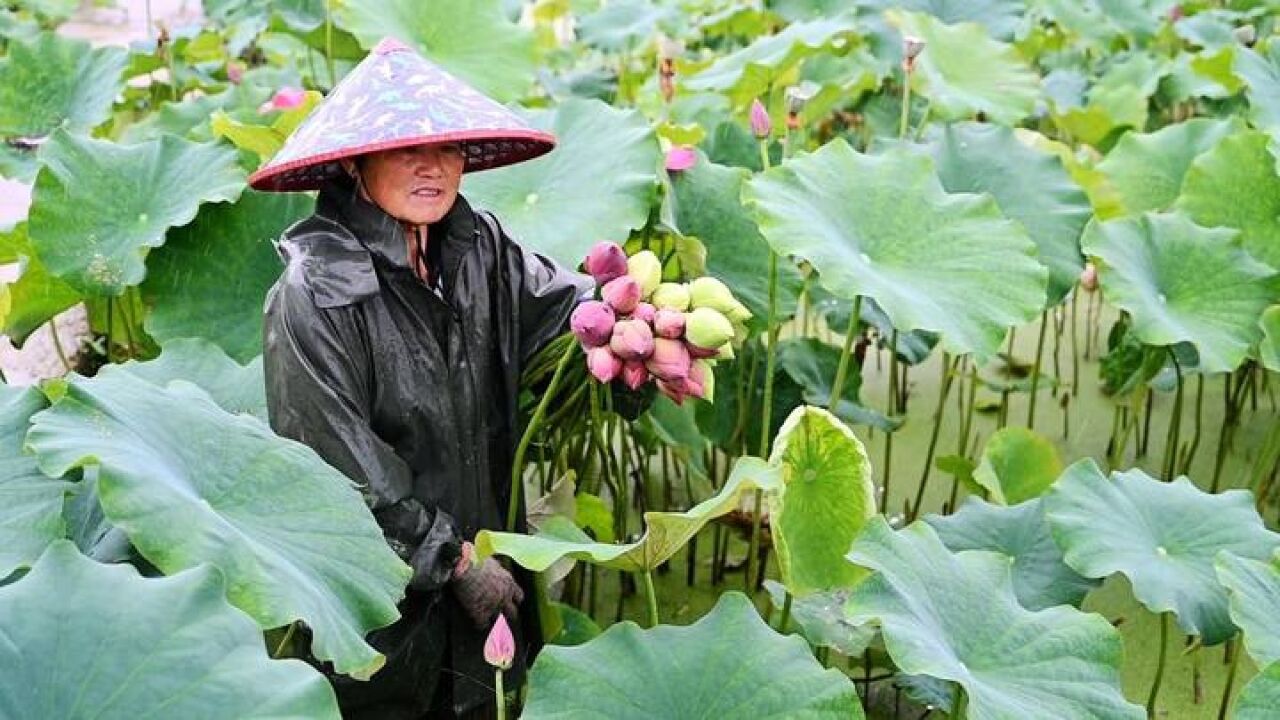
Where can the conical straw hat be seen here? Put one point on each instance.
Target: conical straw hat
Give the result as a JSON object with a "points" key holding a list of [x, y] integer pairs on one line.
{"points": [[395, 98]]}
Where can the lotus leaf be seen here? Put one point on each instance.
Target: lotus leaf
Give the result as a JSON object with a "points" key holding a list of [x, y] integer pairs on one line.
{"points": [[35, 297], [1017, 465], [822, 621], [1270, 350], [700, 670], [30, 502], [882, 226], [624, 25], [1259, 699], [191, 483], [1163, 536], [1148, 169], [1235, 185], [101, 641], [1260, 70], [1001, 18], [955, 617], [1254, 590], [597, 184], [98, 207], [234, 387]]}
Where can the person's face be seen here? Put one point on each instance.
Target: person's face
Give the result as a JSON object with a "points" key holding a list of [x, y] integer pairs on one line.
{"points": [[414, 184]]}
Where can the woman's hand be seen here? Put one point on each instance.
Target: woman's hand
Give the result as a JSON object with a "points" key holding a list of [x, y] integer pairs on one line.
{"points": [[482, 590]]}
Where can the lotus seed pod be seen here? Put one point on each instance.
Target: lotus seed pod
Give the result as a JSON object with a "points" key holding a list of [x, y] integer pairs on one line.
{"points": [[605, 262], [670, 360], [761, 123], [711, 293], [707, 328], [671, 296], [632, 340], [592, 323], [1246, 35], [912, 47], [634, 374], [500, 646], [668, 324], [799, 95], [622, 294], [603, 364], [644, 311], [646, 269]]}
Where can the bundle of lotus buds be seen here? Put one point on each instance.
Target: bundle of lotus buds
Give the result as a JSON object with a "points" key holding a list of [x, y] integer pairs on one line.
{"points": [[642, 329]]}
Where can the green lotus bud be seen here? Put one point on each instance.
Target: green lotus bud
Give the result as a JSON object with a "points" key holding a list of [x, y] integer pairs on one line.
{"points": [[738, 314], [709, 292], [707, 328], [646, 269], [671, 296]]}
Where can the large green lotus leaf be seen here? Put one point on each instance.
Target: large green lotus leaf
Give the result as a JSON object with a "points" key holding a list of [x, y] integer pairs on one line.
{"points": [[1181, 282], [1017, 465], [1259, 699], [963, 72], [955, 617], [1163, 536], [827, 497], [98, 207], [51, 82], [1029, 185], [749, 73], [30, 502], [36, 296], [472, 39], [1254, 591], [822, 621], [1235, 185], [234, 387], [1040, 577], [1001, 18], [1104, 20], [624, 25], [1270, 349], [729, 664], [1147, 169], [101, 641], [882, 226], [596, 185], [665, 532], [709, 207], [1260, 71], [210, 278], [191, 483]]}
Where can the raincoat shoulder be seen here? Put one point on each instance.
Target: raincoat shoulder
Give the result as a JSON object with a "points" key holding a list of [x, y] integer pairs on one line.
{"points": [[323, 258]]}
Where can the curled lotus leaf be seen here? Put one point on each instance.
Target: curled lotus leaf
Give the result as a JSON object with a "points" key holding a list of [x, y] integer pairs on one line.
{"points": [[1254, 590], [30, 501]]}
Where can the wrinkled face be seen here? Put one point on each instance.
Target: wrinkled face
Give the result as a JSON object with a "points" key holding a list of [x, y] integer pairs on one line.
{"points": [[414, 184]]}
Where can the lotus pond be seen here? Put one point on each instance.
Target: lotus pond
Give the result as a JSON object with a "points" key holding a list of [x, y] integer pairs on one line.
{"points": [[932, 371]]}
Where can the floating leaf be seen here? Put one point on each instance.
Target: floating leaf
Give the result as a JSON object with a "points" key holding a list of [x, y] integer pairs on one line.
{"points": [[1259, 699], [822, 621], [1163, 536], [98, 207], [882, 226], [234, 387], [597, 184], [190, 483], [1040, 577], [728, 664], [35, 297], [101, 641], [955, 617], [1235, 185], [1183, 283], [964, 72], [30, 502], [1254, 590], [211, 277], [1017, 465]]}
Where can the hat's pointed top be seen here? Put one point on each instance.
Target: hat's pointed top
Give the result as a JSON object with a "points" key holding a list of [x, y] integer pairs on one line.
{"points": [[396, 98]]}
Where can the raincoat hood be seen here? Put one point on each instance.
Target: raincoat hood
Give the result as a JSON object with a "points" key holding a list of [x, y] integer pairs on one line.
{"points": [[395, 98]]}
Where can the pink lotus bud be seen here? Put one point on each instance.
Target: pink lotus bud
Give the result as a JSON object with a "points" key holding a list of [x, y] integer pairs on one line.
{"points": [[622, 294], [668, 324], [761, 123], [701, 382], [1089, 277], [235, 72], [707, 328], [592, 323], [644, 311], [286, 98], [701, 353], [1176, 13], [603, 364], [632, 340], [673, 390], [500, 646], [670, 360], [634, 374], [605, 262], [680, 158]]}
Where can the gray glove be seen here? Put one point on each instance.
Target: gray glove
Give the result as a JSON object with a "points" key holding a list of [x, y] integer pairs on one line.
{"points": [[485, 589]]}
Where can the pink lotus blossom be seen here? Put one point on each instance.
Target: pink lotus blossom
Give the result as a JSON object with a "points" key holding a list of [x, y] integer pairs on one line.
{"points": [[603, 364], [632, 340], [286, 98], [644, 311], [622, 293], [761, 123], [605, 262], [235, 72], [500, 646], [592, 323], [668, 324], [680, 158], [670, 360], [701, 381], [634, 374]]}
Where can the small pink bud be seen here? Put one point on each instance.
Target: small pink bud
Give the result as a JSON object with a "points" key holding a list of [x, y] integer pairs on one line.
{"points": [[670, 360], [680, 158], [761, 123], [500, 646], [634, 374], [622, 293], [1089, 277], [286, 98], [632, 340], [701, 382], [644, 311], [668, 324], [603, 364], [1176, 13], [235, 72], [701, 353], [673, 390], [592, 323], [605, 262]]}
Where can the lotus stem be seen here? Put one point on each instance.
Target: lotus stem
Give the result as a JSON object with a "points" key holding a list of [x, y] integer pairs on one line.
{"points": [[57, 345], [499, 695], [892, 409], [786, 614], [904, 122], [766, 415], [288, 635], [1264, 466], [846, 351], [517, 466], [1075, 344], [650, 596], [1147, 412], [1170, 464], [948, 367], [1164, 647], [1194, 445], [1234, 650], [1035, 371]]}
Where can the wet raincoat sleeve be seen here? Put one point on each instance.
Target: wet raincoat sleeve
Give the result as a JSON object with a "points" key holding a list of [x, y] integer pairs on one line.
{"points": [[318, 393]]}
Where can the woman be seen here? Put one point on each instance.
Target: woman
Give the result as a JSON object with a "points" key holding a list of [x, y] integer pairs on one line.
{"points": [[394, 341]]}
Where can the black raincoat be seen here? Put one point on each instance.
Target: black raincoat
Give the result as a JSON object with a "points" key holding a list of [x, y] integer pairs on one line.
{"points": [[411, 392]]}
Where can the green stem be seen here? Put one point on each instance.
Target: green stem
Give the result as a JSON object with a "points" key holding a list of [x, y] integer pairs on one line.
{"points": [[517, 466], [904, 122], [1233, 646], [943, 390], [1170, 464], [1035, 371], [288, 635], [1164, 646], [57, 345], [892, 410], [786, 614], [651, 597], [500, 696], [766, 414], [1075, 344], [1194, 445], [853, 331]]}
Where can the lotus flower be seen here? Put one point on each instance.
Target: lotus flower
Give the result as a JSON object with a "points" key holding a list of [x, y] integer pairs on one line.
{"points": [[286, 98], [634, 374], [632, 340], [1089, 277], [671, 296], [646, 269], [761, 123], [701, 382], [668, 324], [500, 646], [707, 328], [605, 262], [622, 294], [709, 292], [592, 323], [680, 158], [644, 311], [669, 361], [603, 364]]}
